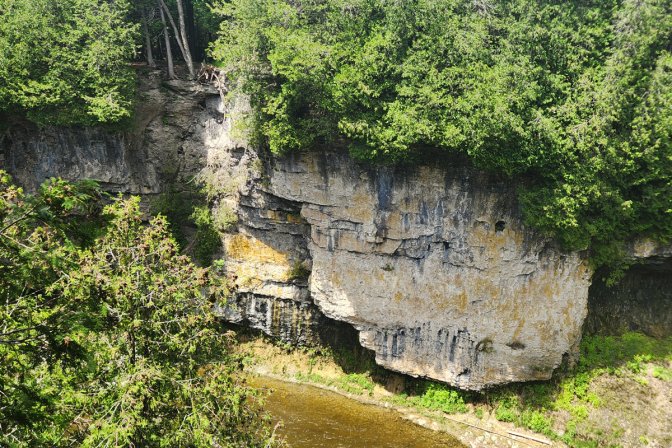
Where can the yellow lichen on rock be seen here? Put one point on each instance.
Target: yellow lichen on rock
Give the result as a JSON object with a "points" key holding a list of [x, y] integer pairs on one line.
{"points": [[252, 250]]}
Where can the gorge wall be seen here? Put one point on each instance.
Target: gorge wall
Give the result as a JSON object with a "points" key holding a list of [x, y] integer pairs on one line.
{"points": [[162, 150], [432, 265]]}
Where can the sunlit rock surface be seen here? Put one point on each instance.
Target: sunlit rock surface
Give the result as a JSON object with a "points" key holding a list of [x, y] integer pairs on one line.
{"points": [[431, 265]]}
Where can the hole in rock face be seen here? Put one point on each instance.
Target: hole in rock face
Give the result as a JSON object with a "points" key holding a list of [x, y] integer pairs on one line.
{"points": [[516, 345], [464, 372], [446, 245], [500, 226]]}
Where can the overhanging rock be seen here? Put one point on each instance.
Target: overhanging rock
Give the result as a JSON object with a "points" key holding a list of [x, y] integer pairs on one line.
{"points": [[432, 265]]}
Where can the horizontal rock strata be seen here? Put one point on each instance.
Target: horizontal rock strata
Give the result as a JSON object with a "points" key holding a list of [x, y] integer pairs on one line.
{"points": [[431, 265]]}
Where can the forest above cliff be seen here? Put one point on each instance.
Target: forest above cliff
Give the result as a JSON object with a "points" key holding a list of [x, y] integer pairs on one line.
{"points": [[573, 97]]}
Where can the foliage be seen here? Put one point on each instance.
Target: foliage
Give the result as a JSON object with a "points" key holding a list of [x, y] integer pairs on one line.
{"points": [[224, 218], [533, 405], [207, 240], [575, 96], [37, 324], [605, 352], [442, 398], [186, 210], [112, 343], [356, 383], [298, 272], [352, 383], [66, 61], [177, 207], [206, 24], [506, 408], [662, 373]]}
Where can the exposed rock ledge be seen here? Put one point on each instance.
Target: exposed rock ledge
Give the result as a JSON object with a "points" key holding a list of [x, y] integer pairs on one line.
{"points": [[431, 265]]}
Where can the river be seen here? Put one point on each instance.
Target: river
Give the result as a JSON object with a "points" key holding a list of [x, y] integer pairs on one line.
{"points": [[317, 418]]}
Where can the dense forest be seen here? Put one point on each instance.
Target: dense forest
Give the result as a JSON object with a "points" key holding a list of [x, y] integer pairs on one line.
{"points": [[572, 98]]}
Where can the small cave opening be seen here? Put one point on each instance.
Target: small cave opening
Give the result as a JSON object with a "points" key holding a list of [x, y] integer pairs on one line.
{"points": [[500, 226]]}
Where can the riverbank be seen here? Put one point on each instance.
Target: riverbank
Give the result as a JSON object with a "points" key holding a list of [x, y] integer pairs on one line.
{"points": [[467, 432], [307, 417], [600, 403]]}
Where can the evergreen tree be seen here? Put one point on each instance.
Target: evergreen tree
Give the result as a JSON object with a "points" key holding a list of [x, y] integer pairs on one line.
{"points": [[573, 98], [107, 334], [66, 61]]}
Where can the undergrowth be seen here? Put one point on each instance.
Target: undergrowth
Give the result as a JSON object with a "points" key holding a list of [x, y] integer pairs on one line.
{"points": [[352, 383], [441, 398], [192, 223], [534, 405]]}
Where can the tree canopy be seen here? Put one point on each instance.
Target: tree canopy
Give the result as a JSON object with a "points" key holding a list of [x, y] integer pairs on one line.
{"points": [[66, 61], [108, 336], [574, 98]]}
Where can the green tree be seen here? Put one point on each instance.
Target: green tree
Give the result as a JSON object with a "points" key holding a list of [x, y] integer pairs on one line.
{"points": [[39, 235], [114, 342], [66, 61], [571, 97]]}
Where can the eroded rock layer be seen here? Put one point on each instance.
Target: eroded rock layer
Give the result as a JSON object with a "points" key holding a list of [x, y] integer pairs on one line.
{"points": [[431, 265]]}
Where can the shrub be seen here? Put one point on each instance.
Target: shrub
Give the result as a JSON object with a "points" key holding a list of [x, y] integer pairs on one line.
{"points": [[442, 398], [110, 342]]}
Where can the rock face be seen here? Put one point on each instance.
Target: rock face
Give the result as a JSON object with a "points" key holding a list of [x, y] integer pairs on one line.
{"points": [[641, 301], [638, 302], [33, 155], [431, 264], [165, 147]]}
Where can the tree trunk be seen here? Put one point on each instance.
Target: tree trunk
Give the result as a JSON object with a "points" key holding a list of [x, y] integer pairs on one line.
{"points": [[180, 36], [148, 40], [191, 29], [169, 53], [185, 40]]}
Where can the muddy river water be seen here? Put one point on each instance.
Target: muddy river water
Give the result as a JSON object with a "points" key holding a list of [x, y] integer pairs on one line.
{"points": [[317, 418]]}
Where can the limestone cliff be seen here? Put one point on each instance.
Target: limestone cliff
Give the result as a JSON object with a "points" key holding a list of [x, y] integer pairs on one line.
{"points": [[430, 264], [163, 148]]}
